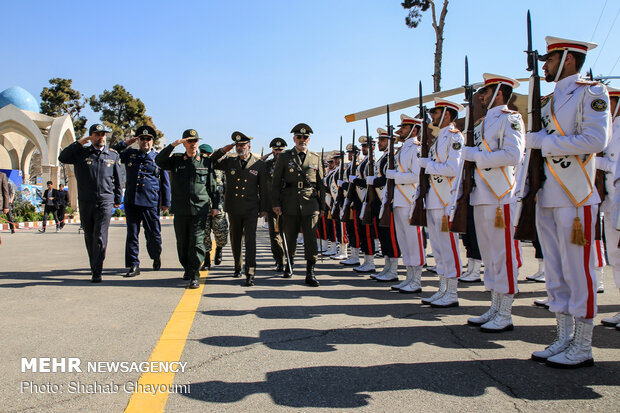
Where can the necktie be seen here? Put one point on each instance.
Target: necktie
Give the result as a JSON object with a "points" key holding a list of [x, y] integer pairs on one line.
{"points": [[302, 156]]}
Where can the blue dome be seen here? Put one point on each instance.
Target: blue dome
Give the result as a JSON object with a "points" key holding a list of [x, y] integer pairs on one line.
{"points": [[19, 97]]}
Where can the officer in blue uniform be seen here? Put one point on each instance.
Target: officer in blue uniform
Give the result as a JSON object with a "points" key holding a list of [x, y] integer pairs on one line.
{"points": [[147, 190], [98, 173]]}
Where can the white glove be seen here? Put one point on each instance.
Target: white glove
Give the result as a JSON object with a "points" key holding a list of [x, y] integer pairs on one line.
{"points": [[370, 179], [340, 182], [533, 140], [352, 178], [423, 162], [390, 173], [469, 153]]}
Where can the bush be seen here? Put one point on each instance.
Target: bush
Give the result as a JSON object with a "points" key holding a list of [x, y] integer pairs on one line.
{"points": [[118, 213]]}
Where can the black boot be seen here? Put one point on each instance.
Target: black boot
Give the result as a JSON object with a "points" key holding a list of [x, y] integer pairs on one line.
{"points": [[279, 267], [96, 278], [288, 270], [237, 273], [310, 278], [207, 263], [157, 264], [249, 276], [133, 271], [218, 256]]}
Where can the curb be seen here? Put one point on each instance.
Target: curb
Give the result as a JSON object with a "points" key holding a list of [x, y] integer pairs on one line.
{"points": [[38, 224]]}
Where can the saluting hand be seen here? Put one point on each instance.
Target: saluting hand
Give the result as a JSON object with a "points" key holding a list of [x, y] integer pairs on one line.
{"points": [[262, 214], [277, 210], [214, 212], [228, 148], [131, 140]]}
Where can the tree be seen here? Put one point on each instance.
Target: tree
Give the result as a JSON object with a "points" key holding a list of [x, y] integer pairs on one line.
{"points": [[121, 112], [61, 99], [413, 19]]}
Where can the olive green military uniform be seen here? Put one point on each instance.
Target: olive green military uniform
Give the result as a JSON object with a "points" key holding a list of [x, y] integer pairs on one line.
{"points": [[298, 190], [218, 224], [194, 194], [245, 195]]}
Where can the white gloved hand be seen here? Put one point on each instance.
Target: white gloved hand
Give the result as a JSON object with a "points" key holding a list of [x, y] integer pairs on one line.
{"points": [[533, 140], [390, 173], [469, 153], [340, 182], [370, 179], [423, 162], [352, 178]]}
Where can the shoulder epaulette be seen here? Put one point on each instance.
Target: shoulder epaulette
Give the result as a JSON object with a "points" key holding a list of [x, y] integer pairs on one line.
{"points": [[113, 150], [177, 154], [455, 130], [585, 82], [509, 111]]}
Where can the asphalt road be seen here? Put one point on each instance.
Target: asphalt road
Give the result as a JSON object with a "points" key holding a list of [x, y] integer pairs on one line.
{"points": [[348, 345]]}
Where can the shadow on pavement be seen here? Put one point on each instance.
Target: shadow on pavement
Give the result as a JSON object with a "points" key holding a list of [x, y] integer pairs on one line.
{"points": [[349, 387]]}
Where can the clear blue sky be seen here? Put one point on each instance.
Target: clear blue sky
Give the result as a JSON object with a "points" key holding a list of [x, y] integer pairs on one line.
{"points": [[262, 66]]}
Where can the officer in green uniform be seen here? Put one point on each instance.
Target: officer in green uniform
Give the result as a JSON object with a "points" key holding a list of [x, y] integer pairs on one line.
{"points": [[245, 199], [194, 198], [277, 145], [298, 193], [217, 224]]}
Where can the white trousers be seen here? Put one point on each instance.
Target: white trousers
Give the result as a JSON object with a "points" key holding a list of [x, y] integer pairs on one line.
{"points": [[409, 238], [612, 235], [445, 244], [497, 248], [569, 268]]}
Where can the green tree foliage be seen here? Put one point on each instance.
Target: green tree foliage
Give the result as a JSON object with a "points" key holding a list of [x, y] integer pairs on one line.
{"points": [[121, 112], [413, 19], [61, 99]]}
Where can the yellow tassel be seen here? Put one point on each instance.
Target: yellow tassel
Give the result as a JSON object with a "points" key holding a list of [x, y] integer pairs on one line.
{"points": [[499, 218], [576, 236], [329, 214], [351, 214], [444, 224], [277, 226]]}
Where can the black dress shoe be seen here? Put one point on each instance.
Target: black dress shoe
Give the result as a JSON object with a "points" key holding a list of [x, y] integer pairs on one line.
{"points": [[156, 264], [249, 280], [206, 266], [288, 271], [42, 230], [217, 260], [96, 278], [237, 273], [186, 276], [193, 284], [312, 281], [279, 268], [133, 271]]}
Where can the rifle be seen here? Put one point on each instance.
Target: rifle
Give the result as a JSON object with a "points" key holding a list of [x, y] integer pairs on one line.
{"points": [[526, 209], [599, 183], [385, 215], [346, 214], [366, 214], [340, 196], [458, 208], [418, 215]]}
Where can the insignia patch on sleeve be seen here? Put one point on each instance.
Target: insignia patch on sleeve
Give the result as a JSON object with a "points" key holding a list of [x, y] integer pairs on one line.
{"points": [[516, 126], [456, 146], [599, 105]]}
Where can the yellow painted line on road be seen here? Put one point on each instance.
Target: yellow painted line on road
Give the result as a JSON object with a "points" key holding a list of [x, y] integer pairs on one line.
{"points": [[168, 348]]}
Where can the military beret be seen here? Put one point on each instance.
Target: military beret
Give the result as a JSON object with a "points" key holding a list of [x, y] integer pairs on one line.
{"points": [[277, 143], [98, 127], [206, 148], [191, 134], [302, 129], [146, 131], [239, 137]]}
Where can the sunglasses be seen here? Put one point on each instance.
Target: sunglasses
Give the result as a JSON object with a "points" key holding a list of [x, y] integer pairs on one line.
{"points": [[278, 149], [192, 140], [302, 137], [146, 138]]}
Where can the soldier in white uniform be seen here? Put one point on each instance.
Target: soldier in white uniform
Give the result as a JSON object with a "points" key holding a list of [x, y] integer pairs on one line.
{"points": [[499, 144], [576, 122], [442, 166], [406, 177], [609, 164], [328, 230]]}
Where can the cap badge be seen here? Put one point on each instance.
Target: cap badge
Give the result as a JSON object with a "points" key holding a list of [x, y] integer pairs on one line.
{"points": [[192, 132], [99, 127], [303, 130], [238, 138]]}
